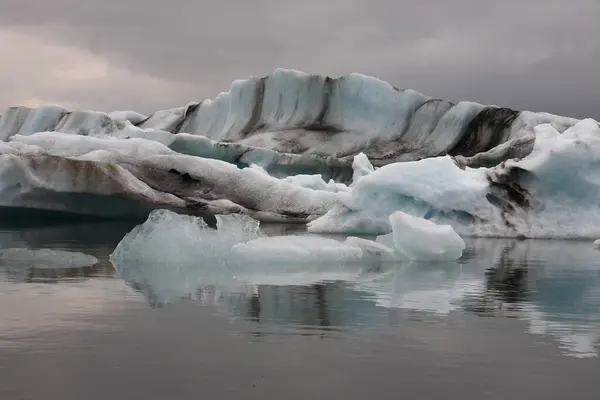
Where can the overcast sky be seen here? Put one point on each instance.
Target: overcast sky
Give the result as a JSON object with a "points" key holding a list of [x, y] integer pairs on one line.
{"points": [[541, 55]]}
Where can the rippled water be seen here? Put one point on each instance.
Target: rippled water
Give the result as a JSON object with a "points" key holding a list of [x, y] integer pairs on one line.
{"points": [[512, 318]]}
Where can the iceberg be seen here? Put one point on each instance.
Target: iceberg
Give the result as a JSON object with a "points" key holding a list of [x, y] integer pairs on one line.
{"points": [[169, 248], [171, 257], [342, 154], [322, 118], [165, 235]]}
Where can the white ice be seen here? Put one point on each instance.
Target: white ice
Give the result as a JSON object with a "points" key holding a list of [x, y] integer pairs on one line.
{"points": [[293, 112], [422, 240], [185, 241], [415, 187], [307, 250], [361, 166]]}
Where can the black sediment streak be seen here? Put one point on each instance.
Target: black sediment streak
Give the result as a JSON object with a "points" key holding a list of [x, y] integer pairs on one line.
{"points": [[428, 102], [485, 131], [510, 185], [507, 192], [319, 123], [254, 120], [142, 122], [189, 114], [408, 123], [64, 117]]}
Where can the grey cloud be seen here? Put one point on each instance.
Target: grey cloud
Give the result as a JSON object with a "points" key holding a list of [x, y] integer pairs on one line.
{"points": [[531, 54]]}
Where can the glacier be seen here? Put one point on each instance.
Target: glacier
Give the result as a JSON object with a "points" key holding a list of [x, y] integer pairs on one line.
{"points": [[341, 154]]}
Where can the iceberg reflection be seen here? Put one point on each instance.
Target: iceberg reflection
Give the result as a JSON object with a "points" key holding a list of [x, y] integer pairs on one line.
{"points": [[553, 286]]}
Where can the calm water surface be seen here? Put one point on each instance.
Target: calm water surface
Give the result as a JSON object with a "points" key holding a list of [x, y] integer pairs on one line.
{"points": [[512, 319]]}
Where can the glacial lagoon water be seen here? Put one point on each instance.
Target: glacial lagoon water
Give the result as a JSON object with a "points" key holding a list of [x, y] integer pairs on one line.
{"points": [[511, 319]]}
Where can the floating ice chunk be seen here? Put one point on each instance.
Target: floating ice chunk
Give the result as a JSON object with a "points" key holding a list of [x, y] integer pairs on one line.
{"points": [[45, 258], [172, 255], [597, 244], [168, 238], [423, 240]]}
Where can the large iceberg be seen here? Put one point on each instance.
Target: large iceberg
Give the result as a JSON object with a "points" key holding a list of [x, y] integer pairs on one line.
{"points": [[290, 113], [342, 154]]}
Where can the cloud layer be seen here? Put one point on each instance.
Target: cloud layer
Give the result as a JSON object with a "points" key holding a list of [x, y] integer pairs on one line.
{"points": [[541, 55]]}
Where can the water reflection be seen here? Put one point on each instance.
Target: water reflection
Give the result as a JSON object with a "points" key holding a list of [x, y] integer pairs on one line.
{"points": [[553, 286], [55, 275], [95, 238]]}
